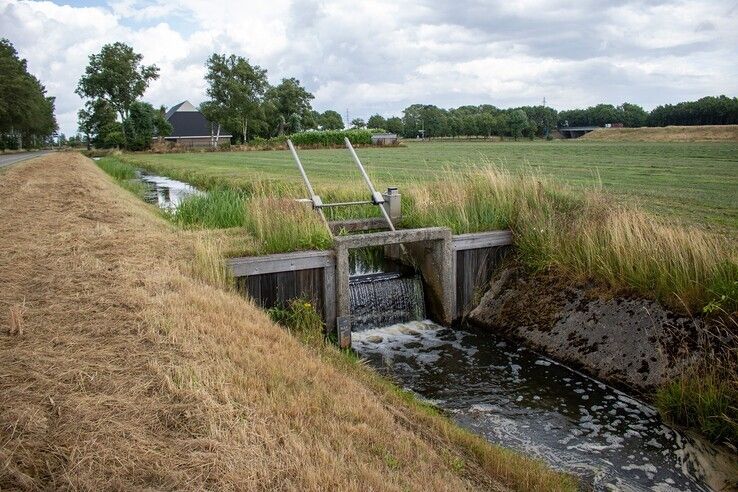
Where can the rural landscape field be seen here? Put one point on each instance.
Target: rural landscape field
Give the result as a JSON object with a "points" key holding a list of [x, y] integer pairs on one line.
{"points": [[696, 181]]}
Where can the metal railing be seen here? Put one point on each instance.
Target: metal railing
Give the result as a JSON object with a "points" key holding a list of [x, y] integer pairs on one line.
{"points": [[318, 205]]}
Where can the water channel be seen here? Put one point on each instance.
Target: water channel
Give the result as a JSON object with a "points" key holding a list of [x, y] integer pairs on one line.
{"points": [[519, 399]]}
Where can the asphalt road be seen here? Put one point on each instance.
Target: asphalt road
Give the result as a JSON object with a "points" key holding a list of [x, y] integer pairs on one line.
{"points": [[8, 159]]}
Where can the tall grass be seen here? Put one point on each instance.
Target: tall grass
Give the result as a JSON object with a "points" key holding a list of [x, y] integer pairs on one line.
{"points": [[116, 168], [220, 208], [582, 235], [281, 224], [124, 174]]}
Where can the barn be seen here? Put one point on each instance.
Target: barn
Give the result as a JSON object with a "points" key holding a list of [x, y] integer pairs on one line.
{"points": [[190, 128]]}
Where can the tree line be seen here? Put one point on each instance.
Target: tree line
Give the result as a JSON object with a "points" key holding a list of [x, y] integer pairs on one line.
{"points": [[243, 103], [26, 112], [538, 121]]}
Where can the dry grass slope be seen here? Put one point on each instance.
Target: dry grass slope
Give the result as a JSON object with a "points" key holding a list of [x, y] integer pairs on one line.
{"points": [[706, 133], [120, 368]]}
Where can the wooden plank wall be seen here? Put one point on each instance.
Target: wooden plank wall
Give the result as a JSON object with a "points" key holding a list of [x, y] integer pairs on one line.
{"points": [[474, 269], [276, 289]]}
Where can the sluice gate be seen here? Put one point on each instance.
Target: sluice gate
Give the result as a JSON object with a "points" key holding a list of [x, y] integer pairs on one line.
{"points": [[451, 271]]}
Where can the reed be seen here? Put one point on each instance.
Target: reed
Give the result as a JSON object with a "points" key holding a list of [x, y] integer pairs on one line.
{"points": [[583, 235], [218, 209], [282, 224]]}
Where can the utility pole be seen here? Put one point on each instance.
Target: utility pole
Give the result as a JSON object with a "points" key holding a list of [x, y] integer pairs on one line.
{"points": [[544, 115], [348, 122]]}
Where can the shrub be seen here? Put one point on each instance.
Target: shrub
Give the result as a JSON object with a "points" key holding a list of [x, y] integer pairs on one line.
{"points": [[332, 138], [300, 317]]}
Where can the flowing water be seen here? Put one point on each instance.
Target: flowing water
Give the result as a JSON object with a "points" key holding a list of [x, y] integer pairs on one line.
{"points": [[516, 398], [165, 192], [382, 299]]}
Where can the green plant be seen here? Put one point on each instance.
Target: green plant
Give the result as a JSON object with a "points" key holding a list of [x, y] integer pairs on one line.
{"points": [[281, 225], [220, 208], [301, 319], [705, 398]]}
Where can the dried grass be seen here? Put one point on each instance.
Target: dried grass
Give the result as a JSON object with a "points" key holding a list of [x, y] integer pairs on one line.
{"points": [[133, 373]]}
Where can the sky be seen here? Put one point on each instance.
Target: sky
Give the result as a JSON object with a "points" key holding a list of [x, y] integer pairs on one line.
{"points": [[381, 56]]}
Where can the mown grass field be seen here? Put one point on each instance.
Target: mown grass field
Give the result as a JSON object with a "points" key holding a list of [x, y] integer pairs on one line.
{"points": [[697, 182]]}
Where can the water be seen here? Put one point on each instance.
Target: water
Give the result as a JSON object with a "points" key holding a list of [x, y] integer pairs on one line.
{"points": [[514, 397], [382, 299], [165, 192], [382, 291]]}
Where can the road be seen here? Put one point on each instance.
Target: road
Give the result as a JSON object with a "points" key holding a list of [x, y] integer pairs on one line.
{"points": [[8, 159]]}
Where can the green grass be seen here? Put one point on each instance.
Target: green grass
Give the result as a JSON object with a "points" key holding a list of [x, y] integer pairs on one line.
{"points": [[705, 399], [124, 173], [697, 182], [220, 208]]}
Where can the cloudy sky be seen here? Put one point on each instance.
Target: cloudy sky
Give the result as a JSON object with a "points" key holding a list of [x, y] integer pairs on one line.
{"points": [[380, 56]]}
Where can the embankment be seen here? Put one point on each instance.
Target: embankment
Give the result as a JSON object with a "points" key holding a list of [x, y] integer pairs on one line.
{"points": [[121, 368], [687, 364], [704, 133]]}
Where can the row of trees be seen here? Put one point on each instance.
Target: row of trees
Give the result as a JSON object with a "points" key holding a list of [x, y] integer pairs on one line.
{"points": [[531, 121], [431, 121], [26, 112], [243, 102]]}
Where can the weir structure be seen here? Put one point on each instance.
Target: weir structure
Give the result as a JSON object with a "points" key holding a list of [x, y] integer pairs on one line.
{"points": [[455, 268]]}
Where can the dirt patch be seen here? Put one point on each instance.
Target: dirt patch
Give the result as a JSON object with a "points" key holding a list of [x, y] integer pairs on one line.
{"points": [[121, 370], [627, 341], [703, 133]]}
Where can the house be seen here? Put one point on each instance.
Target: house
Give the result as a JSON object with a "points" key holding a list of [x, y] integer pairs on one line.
{"points": [[190, 128], [384, 139]]}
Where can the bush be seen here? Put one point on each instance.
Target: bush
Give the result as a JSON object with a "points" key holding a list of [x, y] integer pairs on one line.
{"points": [[301, 319], [332, 138]]}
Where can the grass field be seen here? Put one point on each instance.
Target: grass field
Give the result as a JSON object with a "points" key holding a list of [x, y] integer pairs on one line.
{"points": [[697, 182]]}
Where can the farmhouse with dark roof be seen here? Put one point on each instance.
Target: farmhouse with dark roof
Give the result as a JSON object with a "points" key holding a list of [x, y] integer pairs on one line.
{"points": [[190, 128]]}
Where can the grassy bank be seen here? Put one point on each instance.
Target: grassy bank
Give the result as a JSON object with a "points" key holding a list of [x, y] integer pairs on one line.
{"points": [[125, 361], [694, 182], [573, 233], [578, 234]]}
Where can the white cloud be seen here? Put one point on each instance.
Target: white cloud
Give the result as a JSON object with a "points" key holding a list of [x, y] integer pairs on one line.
{"points": [[381, 56]]}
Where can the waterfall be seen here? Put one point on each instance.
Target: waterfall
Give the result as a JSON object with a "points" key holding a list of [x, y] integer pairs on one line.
{"points": [[383, 299]]}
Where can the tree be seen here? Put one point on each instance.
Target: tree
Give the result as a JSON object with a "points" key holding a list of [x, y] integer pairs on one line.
{"points": [[518, 122], [394, 125], [236, 90], [358, 123], [143, 124], [97, 122], [377, 121], [331, 120], [26, 113], [117, 76], [287, 104]]}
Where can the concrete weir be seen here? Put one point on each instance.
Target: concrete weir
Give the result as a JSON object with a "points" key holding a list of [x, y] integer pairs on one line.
{"points": [[455, 271]]}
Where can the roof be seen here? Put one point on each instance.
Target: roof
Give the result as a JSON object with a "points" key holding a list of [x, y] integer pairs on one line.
{"points": [[188, 121]]}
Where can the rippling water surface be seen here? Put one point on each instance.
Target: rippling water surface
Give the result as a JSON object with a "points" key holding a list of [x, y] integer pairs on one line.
{"points": [[514, 397]]}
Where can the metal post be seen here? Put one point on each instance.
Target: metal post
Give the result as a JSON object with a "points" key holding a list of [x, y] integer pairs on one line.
{"points": [[317, 202], [377, 197]]}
